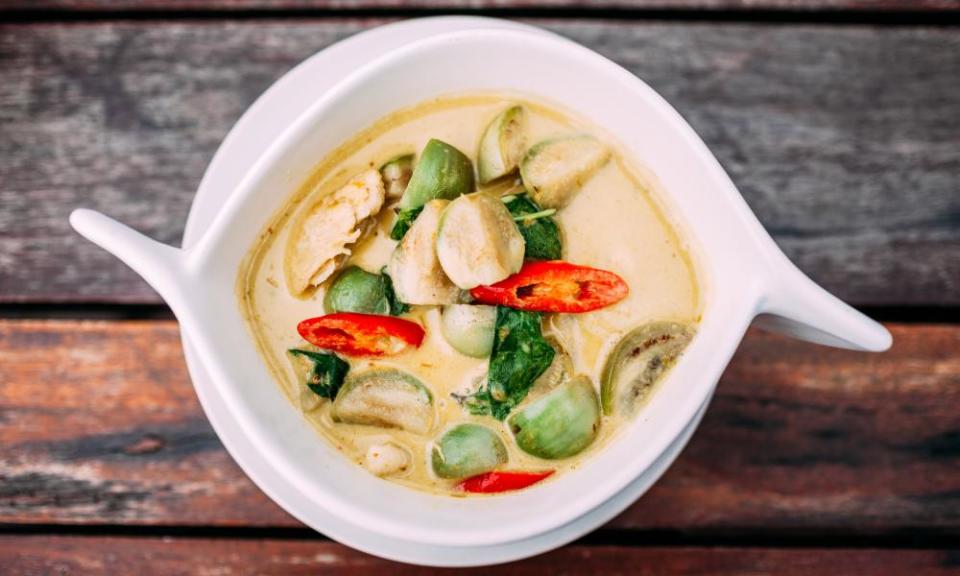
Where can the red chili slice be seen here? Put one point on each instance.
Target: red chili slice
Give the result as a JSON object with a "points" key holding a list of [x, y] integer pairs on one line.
{"points": [[361, 334], [491, 482], [555, 286]]}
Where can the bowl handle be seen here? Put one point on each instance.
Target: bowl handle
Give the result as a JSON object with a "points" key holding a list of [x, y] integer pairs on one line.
{"points": [[163, 267], [797, 306]]}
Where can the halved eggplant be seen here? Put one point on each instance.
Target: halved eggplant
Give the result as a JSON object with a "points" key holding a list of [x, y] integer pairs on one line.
{"points": [[414, 268], [467, 450], [356, 290], [553, 170], [469, 328], [502, 145], [385, 397], [478, 242], [396, 174], [443, 172], [641, 358], [561, 424]]}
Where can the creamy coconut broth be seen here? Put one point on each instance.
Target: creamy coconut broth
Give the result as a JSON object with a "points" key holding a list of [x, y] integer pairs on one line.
{"points": [[557, 385]]}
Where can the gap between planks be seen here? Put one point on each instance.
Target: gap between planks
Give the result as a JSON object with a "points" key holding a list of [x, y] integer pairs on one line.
{"points": [[915, 539]]}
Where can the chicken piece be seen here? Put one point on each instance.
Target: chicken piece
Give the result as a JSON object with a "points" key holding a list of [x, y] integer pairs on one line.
{"points": [[414, 267], [386, 459], [323, 237]]}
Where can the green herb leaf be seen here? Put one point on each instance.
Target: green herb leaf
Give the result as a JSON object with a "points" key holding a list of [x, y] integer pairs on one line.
{"points": [[327, 374], [396, 306], [538, 229], [520, 355], [404, 222]]}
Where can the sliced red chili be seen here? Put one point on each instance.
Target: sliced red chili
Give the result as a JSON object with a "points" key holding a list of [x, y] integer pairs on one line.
{"points": [[491, 482], [361, 334], [555, 286]]}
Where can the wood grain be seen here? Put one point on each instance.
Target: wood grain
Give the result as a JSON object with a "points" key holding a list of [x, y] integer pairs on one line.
{"points": [[85, 555], [100, 426], [843, 139], [281, 5], [32, 555]]}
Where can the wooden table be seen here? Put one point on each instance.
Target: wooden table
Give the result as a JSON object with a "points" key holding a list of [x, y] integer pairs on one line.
{"points": [[838, 119]]}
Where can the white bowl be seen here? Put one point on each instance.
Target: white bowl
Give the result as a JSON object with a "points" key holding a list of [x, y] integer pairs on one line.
{"points": [[743, 272], [266, 119]]}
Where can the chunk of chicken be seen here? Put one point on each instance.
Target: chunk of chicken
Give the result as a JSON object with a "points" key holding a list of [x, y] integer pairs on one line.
{"points": [[386, 459], [414, 267], [324, 235]]}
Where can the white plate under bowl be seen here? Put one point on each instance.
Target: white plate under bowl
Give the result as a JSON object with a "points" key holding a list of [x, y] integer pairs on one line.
{"points": [[286, 100]]}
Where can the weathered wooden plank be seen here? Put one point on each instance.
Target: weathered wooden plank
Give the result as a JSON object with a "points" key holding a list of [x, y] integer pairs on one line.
{"points": [[280, 5], [65, 555], [843, 139], [99, 425]]}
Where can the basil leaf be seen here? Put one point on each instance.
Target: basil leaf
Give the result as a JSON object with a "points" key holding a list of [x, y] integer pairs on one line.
{"points": [[541, 234], [404, 222], [520, 355], [396, 306], [327, 374]]}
